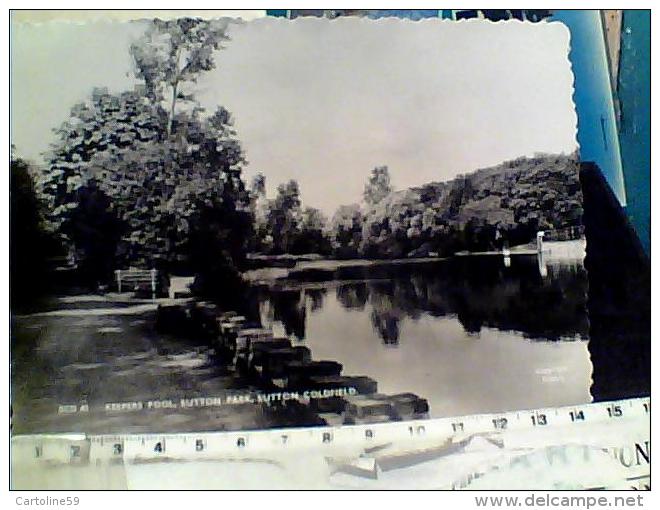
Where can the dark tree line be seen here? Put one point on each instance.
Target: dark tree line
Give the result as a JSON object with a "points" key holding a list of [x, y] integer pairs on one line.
{"points": [[482, 211], [29, 245]]}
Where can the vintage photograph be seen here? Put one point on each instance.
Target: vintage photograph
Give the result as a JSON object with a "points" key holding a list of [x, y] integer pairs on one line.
{"points": [[222, 225]]}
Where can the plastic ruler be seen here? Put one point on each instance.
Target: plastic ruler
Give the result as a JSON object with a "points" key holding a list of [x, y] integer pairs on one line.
{"points": [[269, 441]]}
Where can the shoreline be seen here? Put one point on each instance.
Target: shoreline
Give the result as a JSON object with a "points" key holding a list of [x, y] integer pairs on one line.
{"points": [[269, 274], [553, 250]]}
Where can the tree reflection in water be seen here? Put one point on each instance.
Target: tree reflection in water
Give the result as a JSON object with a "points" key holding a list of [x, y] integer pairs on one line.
{"points": [[315, 297], [353, 296], [289, 308], [478, 291]]}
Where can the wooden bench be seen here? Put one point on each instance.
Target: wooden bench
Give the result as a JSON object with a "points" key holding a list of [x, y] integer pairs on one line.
{"points": [[133, 279]]}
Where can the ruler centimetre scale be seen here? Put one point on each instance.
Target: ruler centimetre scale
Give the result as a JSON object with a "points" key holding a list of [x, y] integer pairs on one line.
{"points": [[239, 443]]}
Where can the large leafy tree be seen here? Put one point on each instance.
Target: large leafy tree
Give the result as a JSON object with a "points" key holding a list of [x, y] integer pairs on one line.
{"points": [[172, 54], [160, 166], [221, 227], [101, 132], [155, 181], [95, 230]]}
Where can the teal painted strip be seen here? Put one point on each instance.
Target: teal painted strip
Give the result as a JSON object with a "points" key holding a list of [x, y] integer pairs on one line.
{"points": [[276, 13], [634, 92], [597, 128]]}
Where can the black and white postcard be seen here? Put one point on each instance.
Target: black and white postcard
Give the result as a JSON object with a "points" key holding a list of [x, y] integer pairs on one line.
{"points": [[223, 225]]}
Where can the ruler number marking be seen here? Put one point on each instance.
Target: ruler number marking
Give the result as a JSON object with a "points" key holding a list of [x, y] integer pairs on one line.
{"points": [[577, 415], [500, 423], [539, 419], [614, 411], [419, 430]]}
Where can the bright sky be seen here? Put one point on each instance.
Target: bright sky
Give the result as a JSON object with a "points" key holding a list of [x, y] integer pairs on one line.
{"points": [[324, 101]]}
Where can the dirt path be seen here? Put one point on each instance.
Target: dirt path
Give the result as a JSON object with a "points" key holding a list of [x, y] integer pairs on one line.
{"points": [[99, 352]]}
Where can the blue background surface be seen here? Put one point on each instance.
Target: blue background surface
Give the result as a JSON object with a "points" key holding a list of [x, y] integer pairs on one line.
{"points": [[634, 93], [597, 127]]}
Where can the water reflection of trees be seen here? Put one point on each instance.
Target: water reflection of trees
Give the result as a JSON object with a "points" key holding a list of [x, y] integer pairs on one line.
{"points": [[479, 292], [353, 296], [289, 308], [483, 293], [386, 314], [315, 298]]}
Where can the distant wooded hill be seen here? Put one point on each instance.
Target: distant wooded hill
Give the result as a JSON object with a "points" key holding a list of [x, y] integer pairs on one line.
{"points": [[478, 211]]}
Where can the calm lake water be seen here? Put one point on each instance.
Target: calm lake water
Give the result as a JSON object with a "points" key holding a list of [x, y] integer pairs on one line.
{"points": [[471, 335]]}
